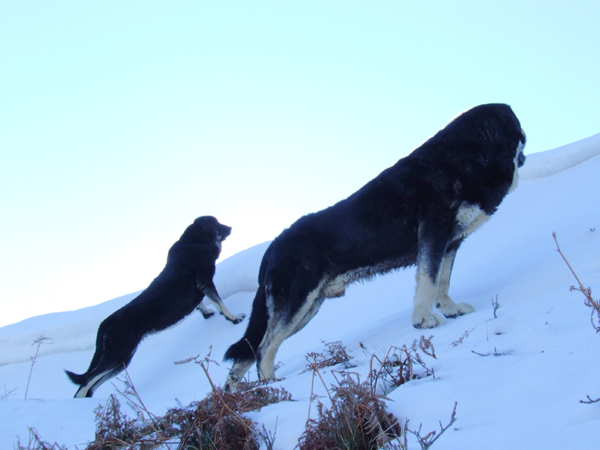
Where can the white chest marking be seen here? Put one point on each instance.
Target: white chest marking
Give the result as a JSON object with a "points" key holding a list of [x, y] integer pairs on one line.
{"points": [[515, 180], [469, 218]]}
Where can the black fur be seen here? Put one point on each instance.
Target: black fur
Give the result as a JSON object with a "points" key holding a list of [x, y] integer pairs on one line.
{"points": [[406, 214], [171, 296]]}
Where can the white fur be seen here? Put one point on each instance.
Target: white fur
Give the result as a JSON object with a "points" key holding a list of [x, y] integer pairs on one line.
{"points": [[83, 390], [236, 374], [470, 218], [205, 310], [335, 287], [423, 316], [280, 329], [515, 180], [223, 310]]}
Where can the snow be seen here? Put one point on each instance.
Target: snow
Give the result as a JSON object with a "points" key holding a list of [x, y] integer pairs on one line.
{"points": [[526, 397]]}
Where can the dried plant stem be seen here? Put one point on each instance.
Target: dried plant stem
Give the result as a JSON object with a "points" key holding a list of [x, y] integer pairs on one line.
{"points": [[428, 440], [587, 292], [312, 390], [589, 400], [212, 385], [315, 368], [360, 423], [567, 262], [589, 302], [136, 394], [496, 305], [6, 394], [39, 341]]}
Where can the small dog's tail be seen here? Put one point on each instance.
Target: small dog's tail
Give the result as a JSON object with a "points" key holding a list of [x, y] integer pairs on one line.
{"points": [[75, 378], [245, 349]]}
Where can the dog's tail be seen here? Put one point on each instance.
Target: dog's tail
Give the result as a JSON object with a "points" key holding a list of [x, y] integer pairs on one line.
{"points": [[75, 378], [245, 349]]}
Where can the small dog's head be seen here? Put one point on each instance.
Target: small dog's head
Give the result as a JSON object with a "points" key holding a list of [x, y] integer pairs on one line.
{"points": [[206, 230], [210, 226]]}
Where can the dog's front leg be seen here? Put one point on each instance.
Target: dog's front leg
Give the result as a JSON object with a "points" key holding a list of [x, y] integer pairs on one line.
{"points": [[210, 291], [443, 302], [432, 249]]}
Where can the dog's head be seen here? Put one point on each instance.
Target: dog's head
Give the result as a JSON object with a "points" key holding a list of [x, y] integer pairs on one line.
{"points": [[496, 133], [512, 128], [210, 225], [206, 230], [508, 138], [498, 124]]}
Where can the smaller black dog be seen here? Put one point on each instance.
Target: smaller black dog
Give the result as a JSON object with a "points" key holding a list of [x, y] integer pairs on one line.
{"points": [[172, 295]]}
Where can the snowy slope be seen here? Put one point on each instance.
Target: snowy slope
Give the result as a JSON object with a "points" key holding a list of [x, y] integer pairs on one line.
{"points": [[526, 398]]}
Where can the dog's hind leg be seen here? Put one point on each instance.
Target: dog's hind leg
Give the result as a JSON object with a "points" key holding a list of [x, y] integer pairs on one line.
{"points": [[243, 352], [94, 382], [209, 289], [102, 372], [281, 327], [443, 302], [237, 372], [206, 313], [116, 342]]}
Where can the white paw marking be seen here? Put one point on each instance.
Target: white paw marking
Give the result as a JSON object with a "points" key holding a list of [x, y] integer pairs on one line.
{"points": [[451, 310], [430, 321], [237, 319], [464, 308]]}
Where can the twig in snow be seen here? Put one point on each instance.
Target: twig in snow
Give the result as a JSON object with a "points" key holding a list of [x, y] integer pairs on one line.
{"points": [[488, 354], [587, 292], [496, 305], [589, 401], [427, 441], [39, 341]]}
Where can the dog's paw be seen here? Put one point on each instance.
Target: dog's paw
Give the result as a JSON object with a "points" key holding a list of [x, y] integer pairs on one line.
{"points": [[451, 310], [458, 310], [206, 314], [237, 319], [231, 384], [465, 308], [430, 321]]}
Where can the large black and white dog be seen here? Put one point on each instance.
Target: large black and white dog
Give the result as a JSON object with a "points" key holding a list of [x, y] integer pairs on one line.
{"points": [[172, 295], [416, 212]]}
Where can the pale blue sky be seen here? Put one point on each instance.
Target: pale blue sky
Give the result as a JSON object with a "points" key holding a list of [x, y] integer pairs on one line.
{"points": [[120, 122]]}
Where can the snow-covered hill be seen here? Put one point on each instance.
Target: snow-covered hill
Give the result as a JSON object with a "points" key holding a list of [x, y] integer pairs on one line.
{"points": [[526, 398]]}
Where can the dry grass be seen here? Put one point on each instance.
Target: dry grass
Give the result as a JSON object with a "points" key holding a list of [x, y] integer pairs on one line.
{"points": [[335, 353], [35, 442], [356, 419], [217, 422], [400, 365]]}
